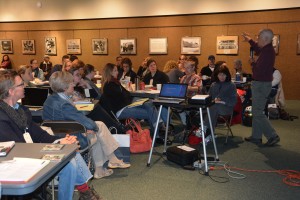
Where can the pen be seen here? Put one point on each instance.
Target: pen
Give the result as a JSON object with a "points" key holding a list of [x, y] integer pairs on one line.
{"points": [[83, 106]]}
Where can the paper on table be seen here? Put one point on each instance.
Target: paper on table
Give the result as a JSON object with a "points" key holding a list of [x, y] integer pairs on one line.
{"points": [[200, 97], [20, 169], [85, 107]]}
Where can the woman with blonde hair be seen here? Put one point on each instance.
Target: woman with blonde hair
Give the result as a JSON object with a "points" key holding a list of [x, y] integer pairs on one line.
{"points": [[171, 69], [25, 72]]}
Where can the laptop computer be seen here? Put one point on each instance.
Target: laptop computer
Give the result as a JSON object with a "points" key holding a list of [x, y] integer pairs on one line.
{"points": [[35, 97], [174, 93]]}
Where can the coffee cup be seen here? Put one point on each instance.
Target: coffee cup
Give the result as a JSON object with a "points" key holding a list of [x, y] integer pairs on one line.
{"points": [[158, 86]]}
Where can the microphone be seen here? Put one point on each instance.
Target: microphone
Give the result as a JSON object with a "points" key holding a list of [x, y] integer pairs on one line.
{"points": [[251, 52]]}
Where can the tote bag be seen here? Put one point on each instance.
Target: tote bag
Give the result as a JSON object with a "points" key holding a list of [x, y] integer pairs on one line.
{"points": [[140, 140]]}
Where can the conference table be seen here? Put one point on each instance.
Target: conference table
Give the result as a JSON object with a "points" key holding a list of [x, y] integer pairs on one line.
{"points": [[33, 150]]}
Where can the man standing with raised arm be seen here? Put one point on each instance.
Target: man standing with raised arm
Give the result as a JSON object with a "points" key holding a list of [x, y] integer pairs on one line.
{"points": [[262, 69]]}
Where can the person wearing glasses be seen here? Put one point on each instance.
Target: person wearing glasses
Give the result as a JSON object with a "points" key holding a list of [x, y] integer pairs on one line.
{"points": [[38, 72], [15, 120]]}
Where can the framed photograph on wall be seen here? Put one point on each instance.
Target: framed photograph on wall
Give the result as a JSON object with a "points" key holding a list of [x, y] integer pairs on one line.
{"points": [[128, 46], [99, 46], [6, 46], [275, 43], [190, 45], [298, 44], [28, 47], [73, 46], [158, 45], [50, 45], [227, 44]]}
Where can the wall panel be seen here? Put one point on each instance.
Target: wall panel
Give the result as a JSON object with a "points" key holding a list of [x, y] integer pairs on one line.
{"points": [[286, 23]]}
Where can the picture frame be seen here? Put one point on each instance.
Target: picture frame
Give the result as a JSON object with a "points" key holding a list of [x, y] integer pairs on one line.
{"points": [[191, 45], [99, 46], [50, 46], [298, 44], [28, 47], [6, 46], [275, 43], [73, 46], [158, 45], [128, 46], [227, 44]]}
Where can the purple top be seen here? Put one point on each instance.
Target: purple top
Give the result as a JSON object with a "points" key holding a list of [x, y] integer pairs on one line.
{"points": [[263, 67]]}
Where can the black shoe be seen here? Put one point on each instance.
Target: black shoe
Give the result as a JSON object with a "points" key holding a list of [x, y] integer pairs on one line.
{"points": [[162, 141], [253, 140], [272, 141]]}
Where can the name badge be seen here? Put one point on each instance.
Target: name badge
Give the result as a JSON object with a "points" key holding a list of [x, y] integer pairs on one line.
{"points": [[27, 137]]}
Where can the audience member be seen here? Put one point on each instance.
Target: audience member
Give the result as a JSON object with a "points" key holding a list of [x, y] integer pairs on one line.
{"points": [[25, 73], [6, 63], [277, 95], [59, 106], [38, 73], [67, 66], [191, 78], [116, 98], [155, 76], [98, 113], [194, 83], [143, 69], [46, 66], [171, 69], [196, 61], [126, 70], [224, 94], [118, 64], [207, 71], [73, 58], [89, 74], [262, 69], [16, 119], [59, 67]]}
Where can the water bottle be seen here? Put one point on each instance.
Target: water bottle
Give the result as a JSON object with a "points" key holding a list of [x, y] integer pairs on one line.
{"points": [[237, 76], [137, 83]]}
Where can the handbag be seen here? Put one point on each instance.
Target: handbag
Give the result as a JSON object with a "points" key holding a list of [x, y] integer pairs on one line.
{"points": [[140, 140], [123, 151]]}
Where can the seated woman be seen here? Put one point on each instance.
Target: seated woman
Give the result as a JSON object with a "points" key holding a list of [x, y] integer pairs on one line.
{"points": [[58, 106], [223, 92], [155, 76], [126, 65], [98, 113], [116, 99], [171, 69], [25, 73], [88, 75], [16, 119]]}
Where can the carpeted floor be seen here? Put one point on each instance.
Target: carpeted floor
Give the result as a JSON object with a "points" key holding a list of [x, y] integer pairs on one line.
{"points": [[164, 180]]}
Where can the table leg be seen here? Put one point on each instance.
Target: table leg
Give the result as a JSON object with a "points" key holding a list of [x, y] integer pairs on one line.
{"points": [[212, 135], [167, 129], [154, 136]]}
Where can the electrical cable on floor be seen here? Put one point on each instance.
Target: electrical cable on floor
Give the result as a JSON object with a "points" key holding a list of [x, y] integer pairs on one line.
{"points": [[291, 177]]}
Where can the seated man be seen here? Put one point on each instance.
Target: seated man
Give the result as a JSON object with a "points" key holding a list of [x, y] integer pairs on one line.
{"points": [[16, 120], [59, 106]]}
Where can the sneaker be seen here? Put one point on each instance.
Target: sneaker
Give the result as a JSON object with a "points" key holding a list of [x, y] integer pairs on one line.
{"points": [[90, 194], [120, 165], [101, 172], [272, 141], [253, 140]]}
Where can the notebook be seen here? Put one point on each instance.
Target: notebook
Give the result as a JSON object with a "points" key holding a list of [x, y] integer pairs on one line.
{"points": [[35, 97], [172, 93]]}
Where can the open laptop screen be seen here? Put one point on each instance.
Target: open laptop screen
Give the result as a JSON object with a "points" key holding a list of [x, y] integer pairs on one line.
{"points": [[173, 90], [35, 96]]}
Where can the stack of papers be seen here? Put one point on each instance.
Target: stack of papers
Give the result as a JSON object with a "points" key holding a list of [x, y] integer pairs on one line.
{"points": [[20, 169]]}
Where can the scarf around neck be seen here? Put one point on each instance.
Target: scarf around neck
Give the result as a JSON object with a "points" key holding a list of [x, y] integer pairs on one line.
{"points": [[18, 116]]}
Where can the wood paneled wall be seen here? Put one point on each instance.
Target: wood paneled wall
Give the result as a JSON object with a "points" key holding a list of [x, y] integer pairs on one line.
{"points": [[286, 23]]}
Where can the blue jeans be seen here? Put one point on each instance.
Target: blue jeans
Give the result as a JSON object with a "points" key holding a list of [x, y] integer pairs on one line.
{"points": [[74, 173], [146, 111], [260, 123]]}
